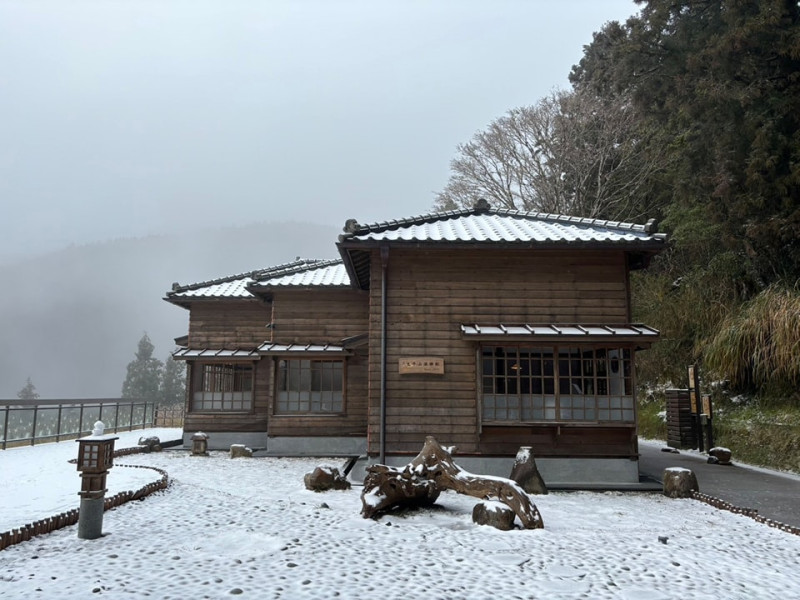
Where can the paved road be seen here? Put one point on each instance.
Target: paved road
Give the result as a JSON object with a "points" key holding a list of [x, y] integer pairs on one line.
{"points": [[774, 495]]}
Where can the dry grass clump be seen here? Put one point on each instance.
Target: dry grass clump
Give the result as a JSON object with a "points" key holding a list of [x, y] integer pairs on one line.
{"points": [[759, 345]]}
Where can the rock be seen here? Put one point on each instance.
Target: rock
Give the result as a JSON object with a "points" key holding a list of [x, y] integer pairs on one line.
{"points": [[495, 514], [670, 450], [241, 451], [152, 443], [525, 472], [712, 460], [723, 455], [322, 479], [679, 482]]}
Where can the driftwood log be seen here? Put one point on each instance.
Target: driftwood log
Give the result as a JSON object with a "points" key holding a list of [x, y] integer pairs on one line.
{"points": [[432, 471]]}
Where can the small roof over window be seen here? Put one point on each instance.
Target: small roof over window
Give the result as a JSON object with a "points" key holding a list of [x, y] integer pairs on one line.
{"points": [[637, 333], [269, 348], [210, 354]]}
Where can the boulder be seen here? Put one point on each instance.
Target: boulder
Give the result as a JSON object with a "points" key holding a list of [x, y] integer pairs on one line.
{"points": [[679, 482], [151, 443], [322, 479], [495, 514], [241, 451], [723, 455], [525, 472]]}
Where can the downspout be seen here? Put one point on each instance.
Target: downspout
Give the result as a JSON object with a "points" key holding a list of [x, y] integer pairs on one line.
{"points": [[384, 264]]}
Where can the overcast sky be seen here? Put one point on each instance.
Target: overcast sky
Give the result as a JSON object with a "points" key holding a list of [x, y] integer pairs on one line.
{"points": [[129, 118]]}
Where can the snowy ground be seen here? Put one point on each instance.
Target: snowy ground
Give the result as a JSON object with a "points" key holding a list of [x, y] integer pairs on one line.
{"points": [[248, 527]]}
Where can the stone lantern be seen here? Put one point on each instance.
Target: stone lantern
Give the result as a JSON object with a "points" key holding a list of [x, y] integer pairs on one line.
{"points": [[200, 444], [95, 458]]}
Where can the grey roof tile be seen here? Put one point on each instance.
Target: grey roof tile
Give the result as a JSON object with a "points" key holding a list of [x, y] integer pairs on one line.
{"points": [[302, 272], [501, 226]]}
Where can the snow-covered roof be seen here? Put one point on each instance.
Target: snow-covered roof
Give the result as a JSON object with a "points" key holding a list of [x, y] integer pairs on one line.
{"points": [[329, 273], [214, 353], [487, 227], [555, 331], [484, 224], [270, 348], [301, 272]]}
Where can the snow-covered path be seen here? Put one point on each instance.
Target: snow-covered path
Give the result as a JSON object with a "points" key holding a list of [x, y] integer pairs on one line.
{"points": [[249, 528]]}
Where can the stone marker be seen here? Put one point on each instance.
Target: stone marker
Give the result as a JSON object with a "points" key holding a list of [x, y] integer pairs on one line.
{"points": [[241, 451], [525, 472], [496, 514], [679, 482], [322, 479]]}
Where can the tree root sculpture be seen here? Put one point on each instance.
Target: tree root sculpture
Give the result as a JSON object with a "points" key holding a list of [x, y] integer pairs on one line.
{"points": [[422, 480]]}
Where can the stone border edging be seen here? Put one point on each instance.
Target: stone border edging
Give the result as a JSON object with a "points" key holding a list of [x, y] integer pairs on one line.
{"points": [[65, 519], [747, 512]]}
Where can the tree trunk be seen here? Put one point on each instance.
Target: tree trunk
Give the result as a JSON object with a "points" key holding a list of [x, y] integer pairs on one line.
{"points": [[432, 471]]}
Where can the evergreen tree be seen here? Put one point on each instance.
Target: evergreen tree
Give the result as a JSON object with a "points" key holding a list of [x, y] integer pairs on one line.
{"points": [[144, 373], [28, 392], [173, 383], [718, 82]]}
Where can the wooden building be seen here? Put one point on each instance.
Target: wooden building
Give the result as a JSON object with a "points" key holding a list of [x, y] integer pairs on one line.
{"points": [[488, 329]]}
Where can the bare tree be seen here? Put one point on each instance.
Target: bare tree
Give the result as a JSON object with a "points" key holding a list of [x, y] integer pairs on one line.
{"points": [[571, 153]]}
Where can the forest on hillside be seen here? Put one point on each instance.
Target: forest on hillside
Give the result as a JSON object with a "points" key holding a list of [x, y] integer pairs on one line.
{"points": [[689, 113]]}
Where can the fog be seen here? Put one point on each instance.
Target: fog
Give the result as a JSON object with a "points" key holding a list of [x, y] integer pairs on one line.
{"points": [[72, 319], [143, 120]]}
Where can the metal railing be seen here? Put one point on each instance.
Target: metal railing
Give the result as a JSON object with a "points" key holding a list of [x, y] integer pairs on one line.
{"points": [[23, 423], [169, 416]]}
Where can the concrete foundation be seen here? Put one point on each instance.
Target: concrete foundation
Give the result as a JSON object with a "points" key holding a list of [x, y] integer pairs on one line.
{"points": [[223, 440], [558, 473], [261, 444], [317, 446]]}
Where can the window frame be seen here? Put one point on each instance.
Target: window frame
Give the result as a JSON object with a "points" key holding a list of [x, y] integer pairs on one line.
{"points": [[527, 407], [233, 371], [339, 407]]}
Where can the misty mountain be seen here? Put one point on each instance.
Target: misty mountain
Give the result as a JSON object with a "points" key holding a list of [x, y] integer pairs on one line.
{"points": [[71, 320]]}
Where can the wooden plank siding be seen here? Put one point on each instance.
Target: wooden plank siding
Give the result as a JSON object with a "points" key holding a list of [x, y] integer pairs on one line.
{"points": [[430, 292], [323, 316], [229, 324], [319, 316], [255, 420]]}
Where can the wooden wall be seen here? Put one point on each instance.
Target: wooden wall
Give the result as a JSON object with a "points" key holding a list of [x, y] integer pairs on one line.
{"points": [[305, 316], [430, 292], [254, 421], [322, 316], [229, 324], [319, 316]]}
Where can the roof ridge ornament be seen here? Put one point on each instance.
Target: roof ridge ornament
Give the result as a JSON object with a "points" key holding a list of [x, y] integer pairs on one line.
{"points": [[651, 226], [351, 226], [482, 205]]}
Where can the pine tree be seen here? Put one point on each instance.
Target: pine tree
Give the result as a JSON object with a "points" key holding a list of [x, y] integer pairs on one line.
{"points": [[28, 392], [173, 383], [144, 373]]}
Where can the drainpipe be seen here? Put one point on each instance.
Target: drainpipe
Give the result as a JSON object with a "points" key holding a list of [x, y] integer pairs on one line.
{"points": [[384, 264]]}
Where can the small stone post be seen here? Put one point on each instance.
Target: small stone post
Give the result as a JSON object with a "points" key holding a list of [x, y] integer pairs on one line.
{"points": [[679, 482], [200, 444]]}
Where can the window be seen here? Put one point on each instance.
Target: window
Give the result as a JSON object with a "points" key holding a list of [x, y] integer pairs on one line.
{"points": [[223, 387], [310, 386], [556, 384]]}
